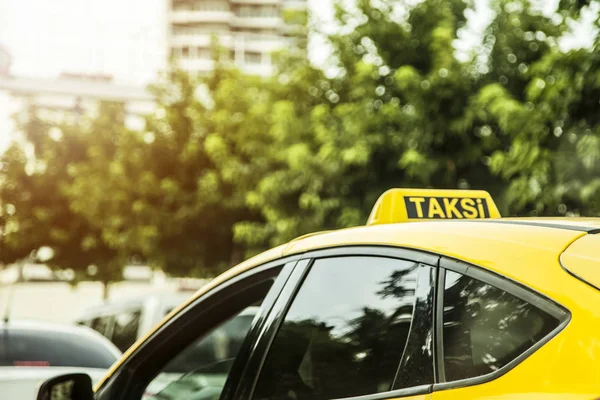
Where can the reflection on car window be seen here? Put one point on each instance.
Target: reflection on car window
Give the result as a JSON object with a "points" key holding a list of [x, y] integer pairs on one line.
{"points": [[54, 349], [220, 345], [345, 332], [485, 328], [200, 370]]}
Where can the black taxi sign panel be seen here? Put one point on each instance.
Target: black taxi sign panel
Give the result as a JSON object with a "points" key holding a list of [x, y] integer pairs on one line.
{"points": [[406, 205]]}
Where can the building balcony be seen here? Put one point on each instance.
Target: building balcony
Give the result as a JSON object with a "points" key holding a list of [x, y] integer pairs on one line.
{"points": [[256, 69], [196, 65], [239, 41], [259, 43], [295, 4], [257, 22], [260, 2], [261, 46], [199, 39], [185, 17]]}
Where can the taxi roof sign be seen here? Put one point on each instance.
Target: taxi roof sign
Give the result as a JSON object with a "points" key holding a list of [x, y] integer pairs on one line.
{"points": [[408, 205]]}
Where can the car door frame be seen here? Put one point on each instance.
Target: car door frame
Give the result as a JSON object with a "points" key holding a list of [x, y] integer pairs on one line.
{"points": [[249, 378], [124, 383]]}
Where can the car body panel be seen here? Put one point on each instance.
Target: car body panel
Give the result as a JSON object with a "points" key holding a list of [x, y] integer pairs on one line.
{"points": [[518, 396], [582, 259], [51, 328], [526, 251]]}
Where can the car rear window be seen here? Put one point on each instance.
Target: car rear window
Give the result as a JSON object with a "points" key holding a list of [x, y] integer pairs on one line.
{"points": [[486, 328], [53, 349]]}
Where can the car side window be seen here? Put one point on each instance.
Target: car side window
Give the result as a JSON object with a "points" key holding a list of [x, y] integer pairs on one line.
{"points": [[485, 328], [125, 329], [201, 369], [104, 325], [347, 330]]}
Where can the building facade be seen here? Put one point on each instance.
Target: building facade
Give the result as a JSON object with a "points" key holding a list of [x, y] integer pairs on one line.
{"points": [[70, 96], [250, 30]]}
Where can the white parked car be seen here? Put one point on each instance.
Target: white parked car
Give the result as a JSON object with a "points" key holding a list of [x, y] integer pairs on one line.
{"points": [[33, 351], [124, 321]]}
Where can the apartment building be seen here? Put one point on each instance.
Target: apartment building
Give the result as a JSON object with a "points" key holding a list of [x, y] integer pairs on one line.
{"points": [[71, 95], [249, 29]]}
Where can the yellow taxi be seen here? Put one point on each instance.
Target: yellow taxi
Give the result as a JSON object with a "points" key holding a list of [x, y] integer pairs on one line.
{"points": [[437, 298]]}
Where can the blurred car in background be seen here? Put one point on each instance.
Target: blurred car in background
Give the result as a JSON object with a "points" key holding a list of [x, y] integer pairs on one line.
{"points": [[124, 321], [33, 351]]}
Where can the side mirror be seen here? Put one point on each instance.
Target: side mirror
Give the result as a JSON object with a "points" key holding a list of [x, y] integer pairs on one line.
{"points": [[67, 387]]}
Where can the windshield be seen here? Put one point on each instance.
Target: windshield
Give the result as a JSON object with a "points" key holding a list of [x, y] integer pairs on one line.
{"points": [[57, 349]]}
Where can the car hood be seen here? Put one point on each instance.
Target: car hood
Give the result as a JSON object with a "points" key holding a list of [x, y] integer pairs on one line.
{"points": [[23, 382]]}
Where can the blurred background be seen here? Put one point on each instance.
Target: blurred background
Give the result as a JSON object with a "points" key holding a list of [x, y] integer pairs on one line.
{"points": [[147, 145]]}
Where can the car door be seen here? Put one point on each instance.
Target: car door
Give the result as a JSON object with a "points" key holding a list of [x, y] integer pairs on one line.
{"points": [[488, 326], [356, 323], [200, 352]]}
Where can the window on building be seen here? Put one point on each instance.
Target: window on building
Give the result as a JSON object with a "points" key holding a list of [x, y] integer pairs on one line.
{"points": [[349, 339], [258, 11], [485, 328], [214, 5], [185, 51], [182, 6], [203, 53], [252, 58]]}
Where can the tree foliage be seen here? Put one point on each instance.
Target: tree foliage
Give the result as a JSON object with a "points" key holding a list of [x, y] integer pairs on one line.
{"points": [[35, 204], [230, 164]]}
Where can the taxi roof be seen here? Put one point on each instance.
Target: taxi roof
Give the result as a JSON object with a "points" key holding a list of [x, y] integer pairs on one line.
{"points": [[575, 223], [455, 236], [500, 245]]}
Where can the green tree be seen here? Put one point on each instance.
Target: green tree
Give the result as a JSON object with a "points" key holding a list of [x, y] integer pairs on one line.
{"points": [[402, 110], [172, 194], [547, 127], [36, 209], [392, 116]]}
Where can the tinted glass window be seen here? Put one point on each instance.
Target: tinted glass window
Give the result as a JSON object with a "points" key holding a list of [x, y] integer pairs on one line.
{"points": [[201, 369], [53, 349], [485, 328], [346, 330], [220, 345], [126, 329]]}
